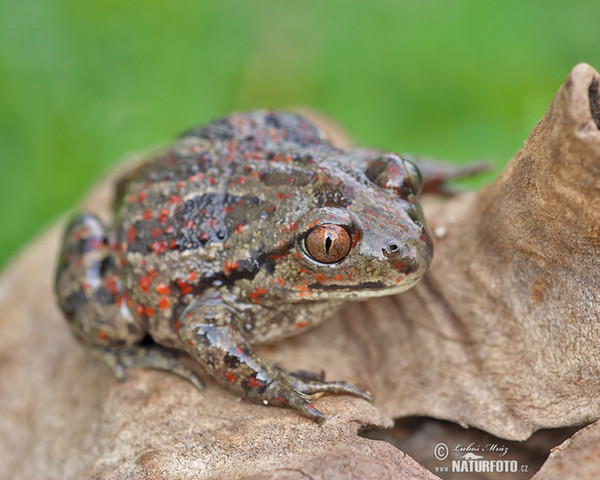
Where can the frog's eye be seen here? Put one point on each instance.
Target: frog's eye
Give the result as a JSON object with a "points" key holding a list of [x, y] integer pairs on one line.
{"points": [[394, 173], [328, 243]]}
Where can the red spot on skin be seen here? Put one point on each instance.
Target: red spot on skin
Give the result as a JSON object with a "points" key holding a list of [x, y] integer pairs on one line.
{"points": [[203, 236], [189, 224], [169, 229], [301, 324], [86, 286], [302, 270], [321, 277], [338, 277], [102, 335], [184, 288], [111, 285], [123, 262], [398, 278], [176, 325], [192, 276], [239, 228], [139, 309], [212, 180], [181, 184], [164, 303], [158, 247], [152, 274], [149, 311], [191, 343], [230, 267], [141, 197], [272, 209], [310, 405], [242, 180], [227, 209], [163, 289], [256, 294], [280, 399], [241, 202], [147, 214], [156, 232], [281, 281], [254, 383], [398, 265], [230, 376], [144, 283], [238, 350], [173, 243], [164, 216], [174, 198]]}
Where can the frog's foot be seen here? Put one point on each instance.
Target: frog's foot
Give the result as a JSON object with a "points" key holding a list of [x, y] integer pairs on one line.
{"points": [[209, 334], [154, 357]]}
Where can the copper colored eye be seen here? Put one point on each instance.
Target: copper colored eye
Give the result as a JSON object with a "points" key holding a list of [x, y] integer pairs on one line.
{"points": [[328, 243]]}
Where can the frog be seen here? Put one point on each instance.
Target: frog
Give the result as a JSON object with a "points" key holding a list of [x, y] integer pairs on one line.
{"points": [[244, 231]]}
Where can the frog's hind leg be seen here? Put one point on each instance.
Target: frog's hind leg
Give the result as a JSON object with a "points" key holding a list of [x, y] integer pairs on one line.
{"points": [[97, 307]]}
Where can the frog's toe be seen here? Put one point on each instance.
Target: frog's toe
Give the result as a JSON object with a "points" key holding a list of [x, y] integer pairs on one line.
{"points": [[315, 387], [300, 402], [154, 357]]}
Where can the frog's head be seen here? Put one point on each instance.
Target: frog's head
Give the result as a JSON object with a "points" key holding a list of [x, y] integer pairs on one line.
{"points": [[365, 237]]}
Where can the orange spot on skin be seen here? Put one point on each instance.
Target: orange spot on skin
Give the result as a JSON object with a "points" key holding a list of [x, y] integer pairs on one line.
{"points": [[102, 335], [144, 283], [398, 265], [163, 289], [321, 277], [254, 383], [230, 267], [338, 277], [174, 198], [184, 288], [164, 303], [239, 228], [230, 376], [399, 278], [192, 276], [176, 325], [141, 197], [259, 292], [149, 311], [164, 216], [301, 324], [147, 214]]}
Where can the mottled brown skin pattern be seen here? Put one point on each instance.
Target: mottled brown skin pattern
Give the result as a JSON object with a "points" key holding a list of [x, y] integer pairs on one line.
{"points": [[209, 255]]}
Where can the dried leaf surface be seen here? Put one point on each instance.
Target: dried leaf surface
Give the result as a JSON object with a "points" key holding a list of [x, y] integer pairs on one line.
{"points": [[502, 335]]}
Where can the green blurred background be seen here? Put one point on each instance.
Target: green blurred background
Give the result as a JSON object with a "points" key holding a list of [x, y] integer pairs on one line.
{"points": [[84, 82]]}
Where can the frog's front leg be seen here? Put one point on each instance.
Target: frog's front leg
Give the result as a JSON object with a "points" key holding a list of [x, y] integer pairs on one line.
{"points": [[209, 333]]}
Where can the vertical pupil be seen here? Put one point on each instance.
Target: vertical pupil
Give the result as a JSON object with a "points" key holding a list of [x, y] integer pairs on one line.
{"points": [[328, 242]]}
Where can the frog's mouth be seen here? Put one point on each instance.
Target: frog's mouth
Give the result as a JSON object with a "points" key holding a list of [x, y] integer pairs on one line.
{"points": [[364, 289]]}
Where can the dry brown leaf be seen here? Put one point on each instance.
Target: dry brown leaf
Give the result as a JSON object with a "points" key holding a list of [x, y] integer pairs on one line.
{"points": [[502, 335]]}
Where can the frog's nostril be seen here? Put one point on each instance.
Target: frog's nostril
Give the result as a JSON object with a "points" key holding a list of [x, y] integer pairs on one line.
{"points": [[391, 248]]}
